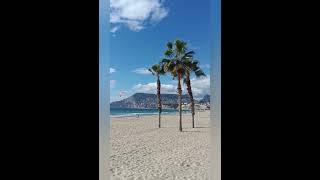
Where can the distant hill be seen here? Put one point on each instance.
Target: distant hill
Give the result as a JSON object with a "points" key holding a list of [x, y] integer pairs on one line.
{"points": [[144, 100], [205, 99]]}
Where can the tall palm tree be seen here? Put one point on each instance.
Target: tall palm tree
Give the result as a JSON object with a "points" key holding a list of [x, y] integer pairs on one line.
{"points": [[157, 70], [176, 54], [192, 66]]}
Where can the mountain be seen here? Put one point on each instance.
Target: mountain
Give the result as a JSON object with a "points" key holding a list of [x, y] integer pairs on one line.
{"points": [[205, 99], [144, 100]]}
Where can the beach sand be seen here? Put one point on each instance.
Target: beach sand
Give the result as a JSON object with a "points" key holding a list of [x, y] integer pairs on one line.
{"points": [[140, 150]]}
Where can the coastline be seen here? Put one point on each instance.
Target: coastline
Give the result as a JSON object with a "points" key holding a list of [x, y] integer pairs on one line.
{"points": [[146, 114], [133, 112], [140, 150]]}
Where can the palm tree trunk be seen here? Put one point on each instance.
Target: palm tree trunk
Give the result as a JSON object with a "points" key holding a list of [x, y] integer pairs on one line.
{"points": [[188, 83], [159, 99], [180, 101]]}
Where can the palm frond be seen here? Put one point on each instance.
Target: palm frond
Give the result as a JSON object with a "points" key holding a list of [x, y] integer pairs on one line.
{"points": [[190, 53], [169, 45], [162, 71], [163, 61], [199, 73], [167, 66], [187, 66], [168, 53], [156, 68], [151, 71], [180, 46]]}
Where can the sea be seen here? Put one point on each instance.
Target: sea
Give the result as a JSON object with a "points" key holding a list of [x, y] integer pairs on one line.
{"points": [[123, 112]]}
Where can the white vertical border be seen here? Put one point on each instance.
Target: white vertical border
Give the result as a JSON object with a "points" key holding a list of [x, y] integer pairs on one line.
{"points": [[215, 86], [104, 90]]}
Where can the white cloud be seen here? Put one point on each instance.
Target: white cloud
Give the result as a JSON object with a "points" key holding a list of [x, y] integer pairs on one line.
{"points": [[114, 29], [152, 88], [142, 71], [159, 13], [200, 87], [112, 83], [112, 70], [135, 25], [136, 14]]}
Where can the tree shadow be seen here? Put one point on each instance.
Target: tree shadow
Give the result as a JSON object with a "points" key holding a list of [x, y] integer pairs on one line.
{"points": [[194, 131], [195, 127]]}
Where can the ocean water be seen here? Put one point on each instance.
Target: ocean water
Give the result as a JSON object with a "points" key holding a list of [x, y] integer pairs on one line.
{"points": [[121, 112]]}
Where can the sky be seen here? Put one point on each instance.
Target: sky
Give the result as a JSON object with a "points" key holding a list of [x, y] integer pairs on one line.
{"points": [[139, 31]]}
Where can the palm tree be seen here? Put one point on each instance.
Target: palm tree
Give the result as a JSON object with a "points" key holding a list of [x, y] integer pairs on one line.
{"points": [[192, 66], [157, 70], [175, 63]]}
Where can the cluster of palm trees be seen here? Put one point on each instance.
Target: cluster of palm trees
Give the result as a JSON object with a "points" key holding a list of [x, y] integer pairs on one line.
{"points": [[179, 62]]}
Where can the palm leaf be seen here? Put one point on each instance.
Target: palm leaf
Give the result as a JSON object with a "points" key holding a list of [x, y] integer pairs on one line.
{"points": [[199, 73], [168, 53], [151, 71], [169, 45]]}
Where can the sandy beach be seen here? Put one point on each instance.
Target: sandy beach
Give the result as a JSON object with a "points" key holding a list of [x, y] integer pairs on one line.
{"points": [[140, 150]]}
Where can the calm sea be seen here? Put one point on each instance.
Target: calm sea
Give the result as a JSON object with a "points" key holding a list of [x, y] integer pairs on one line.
{"points": [[119, 112]]}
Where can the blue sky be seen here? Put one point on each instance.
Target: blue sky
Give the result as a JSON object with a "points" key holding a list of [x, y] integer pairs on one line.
{"points": [[138, 33]]}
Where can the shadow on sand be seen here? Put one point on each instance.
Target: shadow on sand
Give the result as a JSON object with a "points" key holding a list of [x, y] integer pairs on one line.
{"points": [[194, 131]]}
